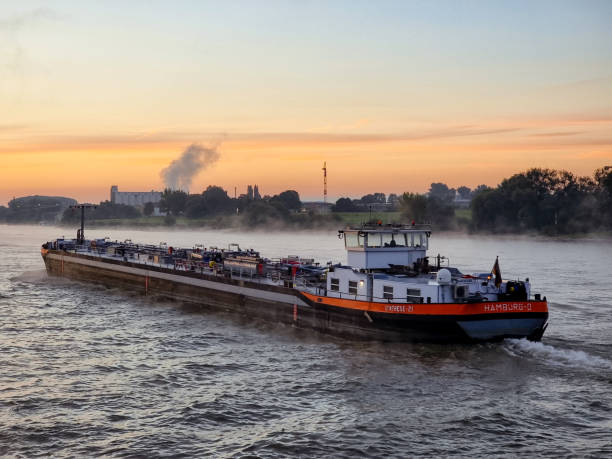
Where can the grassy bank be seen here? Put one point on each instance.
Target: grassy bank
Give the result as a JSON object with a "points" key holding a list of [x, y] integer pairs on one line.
{"points": [[357, 218], [295, 221], [153, 222]]}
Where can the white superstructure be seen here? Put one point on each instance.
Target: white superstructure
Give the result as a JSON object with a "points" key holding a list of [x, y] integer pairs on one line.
{"points": [[382, 247], [390, 264]]}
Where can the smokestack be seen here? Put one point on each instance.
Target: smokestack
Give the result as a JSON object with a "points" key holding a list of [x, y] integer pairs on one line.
{"points": [[180, 173]]}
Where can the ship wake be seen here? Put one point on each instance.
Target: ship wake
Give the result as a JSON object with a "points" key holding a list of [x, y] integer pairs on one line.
{"points": [[33, 277], [554, 355]]}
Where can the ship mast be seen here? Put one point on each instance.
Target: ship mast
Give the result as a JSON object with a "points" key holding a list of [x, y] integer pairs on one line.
{"points": [[81, 232], [325, 184]]}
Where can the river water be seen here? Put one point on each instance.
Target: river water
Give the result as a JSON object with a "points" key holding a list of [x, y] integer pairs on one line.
{"points": [[90, 371]]}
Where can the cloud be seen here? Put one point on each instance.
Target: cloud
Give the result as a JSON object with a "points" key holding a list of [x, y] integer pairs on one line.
{"points": [[337, 138], [13, 57], [504, 135], [12, 127], [594, 155], [19, 21], [557, 134], [169, 137]]}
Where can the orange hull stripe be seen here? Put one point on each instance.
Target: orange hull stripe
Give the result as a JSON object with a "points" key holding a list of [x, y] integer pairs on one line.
{"points": [[434, 309]]}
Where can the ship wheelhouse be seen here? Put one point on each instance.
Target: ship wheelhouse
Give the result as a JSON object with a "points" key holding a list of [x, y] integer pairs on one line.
{"points": [[381, 247], [373, 254], [389, 264]]}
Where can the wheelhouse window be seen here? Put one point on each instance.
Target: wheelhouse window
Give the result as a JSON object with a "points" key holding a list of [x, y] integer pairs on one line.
{"points": [[387, 240], [334, 284], [352, 240], [352, 287], [413, 295], [374, 240], [400, 239], [387, 292], [419, 240]]}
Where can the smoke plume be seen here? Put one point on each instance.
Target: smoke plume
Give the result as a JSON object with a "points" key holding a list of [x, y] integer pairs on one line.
{"points": [[195, 158]]}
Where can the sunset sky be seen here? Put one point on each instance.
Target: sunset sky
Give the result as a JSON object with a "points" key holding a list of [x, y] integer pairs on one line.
{"points": [[393, 95]]}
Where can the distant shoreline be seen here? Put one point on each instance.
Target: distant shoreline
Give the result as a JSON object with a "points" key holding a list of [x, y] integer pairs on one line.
{"points": [[329, 226]]}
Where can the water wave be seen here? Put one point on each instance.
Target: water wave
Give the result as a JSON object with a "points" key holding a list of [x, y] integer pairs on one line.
{"points": [[552, 354], [35, 276]]}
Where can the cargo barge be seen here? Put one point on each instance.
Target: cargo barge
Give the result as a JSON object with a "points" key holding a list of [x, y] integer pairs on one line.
{"points": [[390, 290]]}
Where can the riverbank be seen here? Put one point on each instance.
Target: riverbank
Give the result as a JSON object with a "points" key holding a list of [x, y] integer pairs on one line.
{"points": [[296, 221], [305, 222]]}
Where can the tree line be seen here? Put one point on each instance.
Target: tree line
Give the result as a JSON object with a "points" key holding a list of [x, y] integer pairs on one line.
{"points": [[540, 200], [213, 202], [379, 201], [547, 201], [103, 211], [436, 207]]}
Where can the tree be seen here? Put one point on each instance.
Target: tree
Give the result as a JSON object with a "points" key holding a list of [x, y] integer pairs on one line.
{"points": [[442, 192], [484, 207], [479, 189], [607, 181], [345, 205], [173, 201], [603, 194], [213, 201], [545, 200], [413, 207], [373, 198], [464, 192], [290, 199], [420, 208], [603, 178], [440, 213], [261, 212], [216, 200], [196, 206], [148, 209], [104, 211]]}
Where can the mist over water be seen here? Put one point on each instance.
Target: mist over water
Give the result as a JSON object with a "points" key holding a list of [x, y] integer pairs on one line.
{"points": [[88, 370]]}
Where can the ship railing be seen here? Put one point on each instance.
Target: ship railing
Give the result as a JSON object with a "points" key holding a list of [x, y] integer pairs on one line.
{"points": [[270, 276], [314, 289], [390, 226], [304, 282], [254, 276], [378, 299], [274, 276], [242, 274]]}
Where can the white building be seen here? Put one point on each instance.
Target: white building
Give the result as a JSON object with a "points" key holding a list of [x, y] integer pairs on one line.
{"points": [[134, 198]]}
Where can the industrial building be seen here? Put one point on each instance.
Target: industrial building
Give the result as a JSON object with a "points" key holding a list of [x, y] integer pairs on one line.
{"points": [[134, 198]]}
